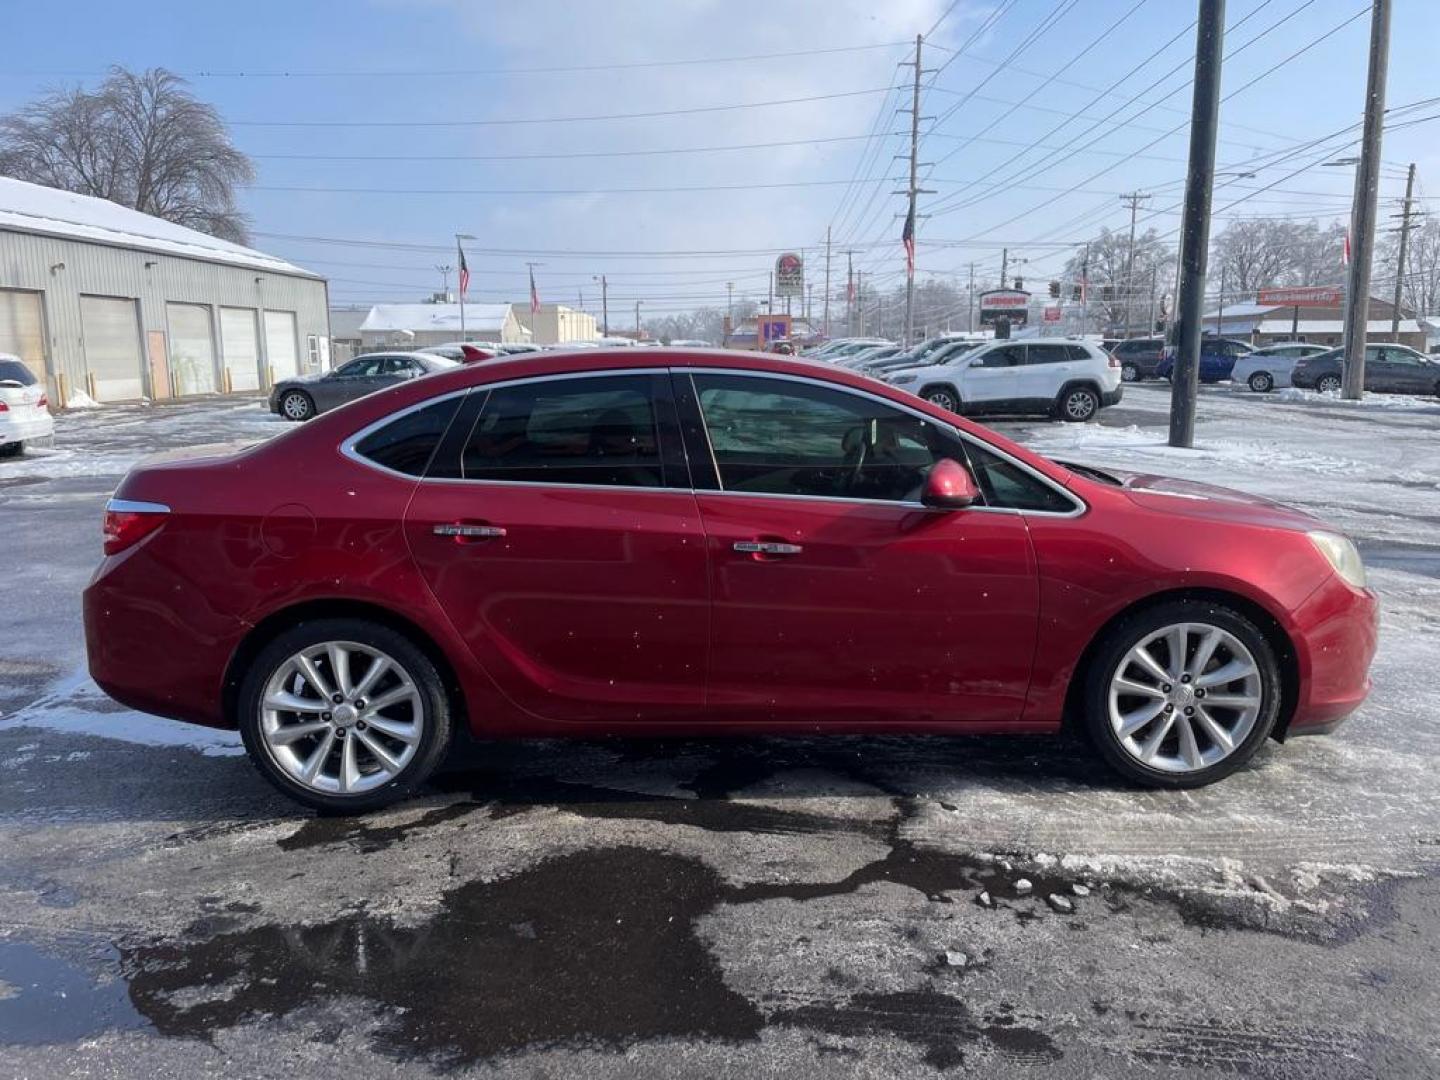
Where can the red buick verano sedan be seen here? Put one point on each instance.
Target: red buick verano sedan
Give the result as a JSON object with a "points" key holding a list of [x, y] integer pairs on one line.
{"points": [[691, 542]]}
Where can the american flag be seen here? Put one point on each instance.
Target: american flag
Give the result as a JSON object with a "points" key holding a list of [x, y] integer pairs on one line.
{"points": [[907, 237], [534, 295], [1345, 250], [464, 271]]}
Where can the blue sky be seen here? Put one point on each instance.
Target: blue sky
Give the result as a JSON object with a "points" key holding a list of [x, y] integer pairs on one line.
{"points": [[445, 61]]}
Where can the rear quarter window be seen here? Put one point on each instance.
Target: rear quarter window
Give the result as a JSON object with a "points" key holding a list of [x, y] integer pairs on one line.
{"points": [[407, 443]]}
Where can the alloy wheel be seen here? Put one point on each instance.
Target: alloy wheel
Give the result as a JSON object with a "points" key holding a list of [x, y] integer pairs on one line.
{"points": [[1185, 697], [341, 718], [1328, 384], [1130, 373], [944, 399], [1261, 382], [1079, 405], [296, 407]]}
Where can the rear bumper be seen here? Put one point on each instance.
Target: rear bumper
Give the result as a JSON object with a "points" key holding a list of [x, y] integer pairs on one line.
{"points": [[14, 428], [1112, 397], [1339, 629]]}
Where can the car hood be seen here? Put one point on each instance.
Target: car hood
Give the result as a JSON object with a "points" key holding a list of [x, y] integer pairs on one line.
{"points": [[299, 380], [1186, 498]]}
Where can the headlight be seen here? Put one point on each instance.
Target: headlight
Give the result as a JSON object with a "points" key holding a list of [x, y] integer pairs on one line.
{"points": [[901, 380], [1342, 555]]}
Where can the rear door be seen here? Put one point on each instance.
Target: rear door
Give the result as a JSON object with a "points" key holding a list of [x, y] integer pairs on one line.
{"points": [[1048, 366], [558, 532], [837, 596]]}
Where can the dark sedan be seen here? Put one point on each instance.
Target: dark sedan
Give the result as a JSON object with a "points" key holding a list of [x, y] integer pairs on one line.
{"points": [[308, 395], [1389, 369]]}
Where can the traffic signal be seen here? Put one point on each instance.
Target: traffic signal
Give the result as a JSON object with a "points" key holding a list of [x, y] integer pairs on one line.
{"points": [[1055, 289]]}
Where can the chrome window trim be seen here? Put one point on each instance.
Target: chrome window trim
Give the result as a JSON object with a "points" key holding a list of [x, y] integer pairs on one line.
{"points": [[133, 506], [347, 446], [1079, 505]]}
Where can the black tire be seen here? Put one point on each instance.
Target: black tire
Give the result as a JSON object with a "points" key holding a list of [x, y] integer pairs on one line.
{"points": [[1261, 382], [943, 396], [435, 705], [1133, 630], [297, 406], [1129, 373], [1077, 404], [14, 449], [1328, 384]]}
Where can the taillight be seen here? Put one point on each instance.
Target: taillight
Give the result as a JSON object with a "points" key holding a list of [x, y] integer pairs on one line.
{"points": [[44, 402], [1114, 360], [128, 522], [4, 407]]}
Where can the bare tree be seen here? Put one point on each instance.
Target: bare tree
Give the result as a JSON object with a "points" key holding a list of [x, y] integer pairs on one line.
{"points": [[1421, 289], [140, 140], [1254, 254], [1109, 291]]}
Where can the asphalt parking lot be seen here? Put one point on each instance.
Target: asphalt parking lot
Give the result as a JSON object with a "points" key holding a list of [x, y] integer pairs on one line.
{"points": [[778, 907]]}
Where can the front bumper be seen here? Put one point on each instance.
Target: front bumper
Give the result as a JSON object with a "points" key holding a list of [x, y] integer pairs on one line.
{"points": [[1337, 632]]}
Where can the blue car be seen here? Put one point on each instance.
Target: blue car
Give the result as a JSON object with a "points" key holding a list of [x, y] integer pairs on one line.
{"points": [[1217, 358]]}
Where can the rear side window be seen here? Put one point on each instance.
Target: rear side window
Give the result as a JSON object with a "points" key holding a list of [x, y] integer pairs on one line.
{"points": [[1079, 352], [1007, 485], [15, 371], [408, 442], [599, 431], [1047, 354]]}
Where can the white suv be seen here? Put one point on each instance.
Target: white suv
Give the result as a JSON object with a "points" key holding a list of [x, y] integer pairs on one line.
{"points": [[1059, 376]]}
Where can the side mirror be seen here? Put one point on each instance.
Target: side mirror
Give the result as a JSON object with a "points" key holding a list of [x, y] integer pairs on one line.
{"points": [[949, 486]]}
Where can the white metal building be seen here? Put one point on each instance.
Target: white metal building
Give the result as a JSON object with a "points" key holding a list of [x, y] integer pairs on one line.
{"points": [[107, 301], [417, 325]]}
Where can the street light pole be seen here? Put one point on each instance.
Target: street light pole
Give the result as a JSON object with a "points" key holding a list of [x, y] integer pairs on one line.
{"points": [[604, 304], [1367, 193]]}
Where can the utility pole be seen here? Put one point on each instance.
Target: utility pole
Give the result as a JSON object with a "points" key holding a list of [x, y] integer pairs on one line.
{"points": [[907, 234], [1004, 267], [1154, 277], [1085, 291], [850, 293], [729, 311], [1195, 224], [637, 320], [1367, 192], [970, 304], [1135, 198], [1405, 217], [827, 281], [604, 305], [1220, 308]]}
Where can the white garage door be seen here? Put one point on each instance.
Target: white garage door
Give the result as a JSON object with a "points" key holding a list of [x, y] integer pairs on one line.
{"points": [[110, 328], [240, 345], [22, 328], [280, 344], [192, 349]]}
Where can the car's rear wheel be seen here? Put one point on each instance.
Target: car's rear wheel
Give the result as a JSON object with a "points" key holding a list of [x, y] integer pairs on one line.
{"points": [[344, 715], [1078, 404], [297, 405], [1182, 695], [1129, 373], [14, 449], [1328, 384], [1261, 382], [942, 396]]}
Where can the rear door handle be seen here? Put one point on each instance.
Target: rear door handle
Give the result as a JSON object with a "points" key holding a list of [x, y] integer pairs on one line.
{"points": [[766, 547], [469, 532]]}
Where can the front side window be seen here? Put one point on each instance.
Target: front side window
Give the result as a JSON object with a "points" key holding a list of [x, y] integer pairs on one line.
{"points": [[407, 443], [599, 431], [1003, 356], [1005, 484], [778, 437], [361, 368]]}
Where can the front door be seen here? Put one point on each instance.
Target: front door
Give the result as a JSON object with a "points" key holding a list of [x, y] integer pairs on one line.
{"points": [[992, 376], [838, 597], [558, 533], [1401, 371]]}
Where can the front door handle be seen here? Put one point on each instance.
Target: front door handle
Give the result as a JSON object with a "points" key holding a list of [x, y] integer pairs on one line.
{"points": [[462, 531], [766, 547]]}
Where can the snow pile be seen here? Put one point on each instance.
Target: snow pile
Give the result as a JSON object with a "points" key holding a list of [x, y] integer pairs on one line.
{"points": [[78, 399]]}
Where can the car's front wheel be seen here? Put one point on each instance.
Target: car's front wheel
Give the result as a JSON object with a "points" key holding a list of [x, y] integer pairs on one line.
{"points": [[344, 715], [944, 397], [297, 405], [1328, 384], [1182, 695], [1078, 404], [1261, 382]]}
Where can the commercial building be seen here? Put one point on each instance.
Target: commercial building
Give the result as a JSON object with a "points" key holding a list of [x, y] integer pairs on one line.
{"points": [[106, 301], [556, 324], [1268, 324], [417, 325]]}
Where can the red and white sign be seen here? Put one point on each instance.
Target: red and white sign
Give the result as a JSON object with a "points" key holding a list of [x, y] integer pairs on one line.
{"points": [[1326, 296], [1004, 299], [1052, 313]]}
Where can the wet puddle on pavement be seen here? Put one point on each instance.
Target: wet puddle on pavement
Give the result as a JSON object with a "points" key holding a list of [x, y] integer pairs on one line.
{"points": [[45, 998]]}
